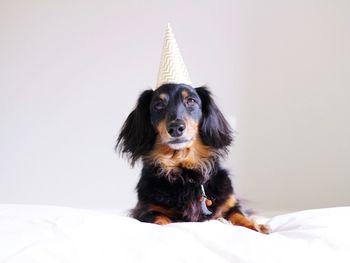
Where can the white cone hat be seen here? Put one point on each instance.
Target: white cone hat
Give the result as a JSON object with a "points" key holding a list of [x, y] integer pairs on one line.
{"points": [[172, 67]]}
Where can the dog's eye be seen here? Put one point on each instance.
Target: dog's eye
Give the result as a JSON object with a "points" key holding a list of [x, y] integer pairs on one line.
{"points": [[190, 102], [159, 106]]}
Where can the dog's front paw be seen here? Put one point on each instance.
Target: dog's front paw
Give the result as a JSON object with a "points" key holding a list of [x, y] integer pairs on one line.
{"points": [[265, 229], [261, 228], [239, 219], [162, 220]]}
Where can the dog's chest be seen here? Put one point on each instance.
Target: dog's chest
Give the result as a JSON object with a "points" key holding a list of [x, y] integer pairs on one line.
{"points": [[188, 197], [187, 201], [182, 193]]}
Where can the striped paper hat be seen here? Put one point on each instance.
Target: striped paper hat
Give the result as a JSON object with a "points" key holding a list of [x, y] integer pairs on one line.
{"points": [[172, 67]]}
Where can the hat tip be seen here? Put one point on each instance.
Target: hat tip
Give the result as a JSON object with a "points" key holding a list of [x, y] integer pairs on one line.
{"points": [[168, 28]]}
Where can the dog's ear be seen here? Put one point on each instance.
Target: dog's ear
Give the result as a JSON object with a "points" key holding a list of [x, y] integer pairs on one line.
{"points": [[214, 128], [137, 135]]}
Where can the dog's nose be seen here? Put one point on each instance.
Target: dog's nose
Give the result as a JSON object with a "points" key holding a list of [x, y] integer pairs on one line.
{"points": [[176, 128]]}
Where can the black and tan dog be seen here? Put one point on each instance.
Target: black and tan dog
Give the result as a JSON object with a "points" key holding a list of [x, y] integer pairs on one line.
{"points": [[180, 135]]}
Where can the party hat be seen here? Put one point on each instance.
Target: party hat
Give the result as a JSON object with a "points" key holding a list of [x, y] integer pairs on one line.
{"points": [[172, 67]]}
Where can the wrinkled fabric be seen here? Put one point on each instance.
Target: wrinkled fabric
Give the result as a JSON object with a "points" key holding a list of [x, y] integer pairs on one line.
{"points": [[30, 233]]}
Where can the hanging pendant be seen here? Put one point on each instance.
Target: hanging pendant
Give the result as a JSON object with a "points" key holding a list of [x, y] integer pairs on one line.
{"points": [[205, 202]]}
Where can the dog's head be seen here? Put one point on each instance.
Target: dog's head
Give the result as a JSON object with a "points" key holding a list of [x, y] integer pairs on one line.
{"points": [[176, 111], [172, 119]]}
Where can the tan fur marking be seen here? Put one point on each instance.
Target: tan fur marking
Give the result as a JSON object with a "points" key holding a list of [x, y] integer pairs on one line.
{"points": [[162, 220], [222, 210], [162, 210], [163, 134], [197, 157], [184, 93], [240, 220], [163, 96]]}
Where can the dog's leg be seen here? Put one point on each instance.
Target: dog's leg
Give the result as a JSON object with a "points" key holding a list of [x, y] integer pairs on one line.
{"points": [[152, 214], [223, 209], [154, 217], [239, 219], [231, 211], [236, 217], [163, 217]]}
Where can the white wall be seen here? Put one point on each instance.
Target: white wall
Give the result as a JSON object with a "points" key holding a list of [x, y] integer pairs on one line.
{"points": [[70, 72], [294, 144]]}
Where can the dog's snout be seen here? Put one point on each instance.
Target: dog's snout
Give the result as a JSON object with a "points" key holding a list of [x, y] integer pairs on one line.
{"points": [[176, 128]]}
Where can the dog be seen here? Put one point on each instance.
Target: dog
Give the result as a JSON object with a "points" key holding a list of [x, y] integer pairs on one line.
{"points": [[180, 135]]}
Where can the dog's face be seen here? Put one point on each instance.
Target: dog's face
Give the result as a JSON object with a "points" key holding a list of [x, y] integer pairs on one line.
{"points": [[175, 113], [172, 118]]}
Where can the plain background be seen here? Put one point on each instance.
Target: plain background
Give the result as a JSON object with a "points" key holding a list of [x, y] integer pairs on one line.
{"points": [[71, 71]]}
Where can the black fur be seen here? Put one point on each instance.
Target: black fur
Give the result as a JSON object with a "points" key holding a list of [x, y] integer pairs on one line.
{"points": [[214, 129], [182, 193], [137, 135]]}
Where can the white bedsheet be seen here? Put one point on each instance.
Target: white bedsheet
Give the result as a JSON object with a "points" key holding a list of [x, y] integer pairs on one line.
{"points": [[30, 233]]}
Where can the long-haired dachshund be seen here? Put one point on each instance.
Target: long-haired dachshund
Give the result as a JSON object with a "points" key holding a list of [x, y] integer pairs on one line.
{"points": [[180, 135]]}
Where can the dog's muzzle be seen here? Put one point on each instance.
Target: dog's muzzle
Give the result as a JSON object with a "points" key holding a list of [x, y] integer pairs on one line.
{"points": [[176, 128]]}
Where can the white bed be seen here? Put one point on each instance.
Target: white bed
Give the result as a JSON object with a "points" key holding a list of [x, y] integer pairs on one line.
{"points": [[30, 233]]}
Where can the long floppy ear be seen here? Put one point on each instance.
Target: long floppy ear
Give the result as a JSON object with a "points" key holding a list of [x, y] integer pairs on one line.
{"points": [[214, 128], [137, 135]]}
